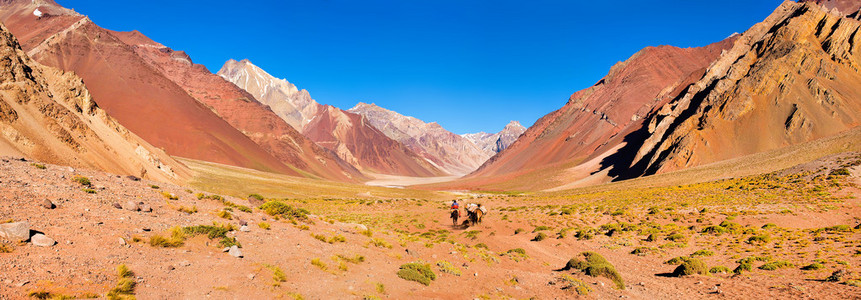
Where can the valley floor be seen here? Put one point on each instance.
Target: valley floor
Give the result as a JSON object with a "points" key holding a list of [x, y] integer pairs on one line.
{"points": [[779, 235]]}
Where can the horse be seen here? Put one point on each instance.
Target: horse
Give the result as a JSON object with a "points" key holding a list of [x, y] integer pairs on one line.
{"points": [[475, 216], [455, 214]]}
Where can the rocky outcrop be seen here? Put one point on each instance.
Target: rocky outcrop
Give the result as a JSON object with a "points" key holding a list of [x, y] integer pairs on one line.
{"points": [[130, 90], [49, 115], [790, 79], [493, 143], [452, 153]]}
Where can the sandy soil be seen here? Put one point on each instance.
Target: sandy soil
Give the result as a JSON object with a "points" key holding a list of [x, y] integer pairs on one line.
{"points": [[396, 181]]}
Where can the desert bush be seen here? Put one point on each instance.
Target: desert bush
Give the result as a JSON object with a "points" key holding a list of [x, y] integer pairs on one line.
{"points": [[256, 196], [125, 288], [187, 210], [541, 228], [519, 230], [153, 186], [169, 196], [354, 260], [676, 237], [176, 239], [584, 235], [38, 166], [264, 225], [641, 251], [677, 260], [759, 239], [281, 209], [841, 172], [84, 181], [380, 243], [418, 272], [719, 269], [224, 214], [5, 248], [691, 267], [447, 267], [774, 265], [700, 253], [571, 283], [318, 263], [539, 237], [813, 266], [595, 265]]}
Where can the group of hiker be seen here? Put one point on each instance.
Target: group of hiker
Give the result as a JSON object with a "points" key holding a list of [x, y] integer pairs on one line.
{"points": [[474, 213]]}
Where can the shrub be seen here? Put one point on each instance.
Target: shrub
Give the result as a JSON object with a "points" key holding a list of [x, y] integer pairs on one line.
{"points": [[714, 230], [742, 267], [691, 267], [539, 237], [677, 260], [84, 181], [584, 235], [838, 228], [447, 267], [176, 239], [5, 249], [125, 288], [354, 260], [540, 228], [318, 263], [89, 191], [759, 239], [841, 172], [187, 210], [417, 272], [778, 264], [380, 243], [701, 253], [38, 166], [580, 287], [676, 237], [519, 230], [169, 196], [719, 269], [213, 232], [264, 225], [641, 251], [813, 266], [595, 265], [225, 215], [153, 186], [278, 275], [281, 209], [256, 196]]}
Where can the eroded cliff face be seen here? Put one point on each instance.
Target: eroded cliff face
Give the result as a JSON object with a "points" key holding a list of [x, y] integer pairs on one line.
{"points": [[49, 115], [493, 143], [790, 79]]}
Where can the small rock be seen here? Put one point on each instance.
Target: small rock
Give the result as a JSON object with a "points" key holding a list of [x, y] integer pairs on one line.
{"points": [[184, 263], [8, 281], [123, 242], [131, 206], [48, 204], [242, 223], [146, 229], [234, 251], [250, 276], [42, 241], [15, 231], [698, 282], [23, 283], [244, 228], [225, 249], [133, 178], [117, 206], [476, 274], [412, 252], [145, 208]]}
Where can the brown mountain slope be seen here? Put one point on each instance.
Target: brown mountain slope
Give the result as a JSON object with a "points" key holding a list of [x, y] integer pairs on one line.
{"points": [[595, 121], [241, 110], [48, 115], [790, 79], [353, 138], [130, 90], [347, 134], [446, 150]]}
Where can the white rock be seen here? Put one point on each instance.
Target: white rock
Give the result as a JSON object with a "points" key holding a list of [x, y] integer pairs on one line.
{"points": [[42, 241], [234, 251], [244, 229], [16, 231]]}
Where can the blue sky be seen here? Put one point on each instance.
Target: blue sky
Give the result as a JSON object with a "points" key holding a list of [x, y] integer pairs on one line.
{"points": [[469, 65]]}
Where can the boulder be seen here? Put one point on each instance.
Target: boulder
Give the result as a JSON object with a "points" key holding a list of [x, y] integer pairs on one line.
{"points": [[130, 205], [145, 208], [16, 231], [244, 229], [42, 241], [117, 206], [48, 204], [234, 251]]}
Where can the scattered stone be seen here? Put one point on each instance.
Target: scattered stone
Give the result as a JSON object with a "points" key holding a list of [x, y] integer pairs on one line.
{"points": [[225, 249], [146, 229], [15, 231], [48, 204], [244, 228], [42, 241], [133, 178], [250, 276], [145, 207], [117, 206], [234, 251], [131, 206], [8, 281], [242, 223], [185, 263], [23, 283], [123, 242]]}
